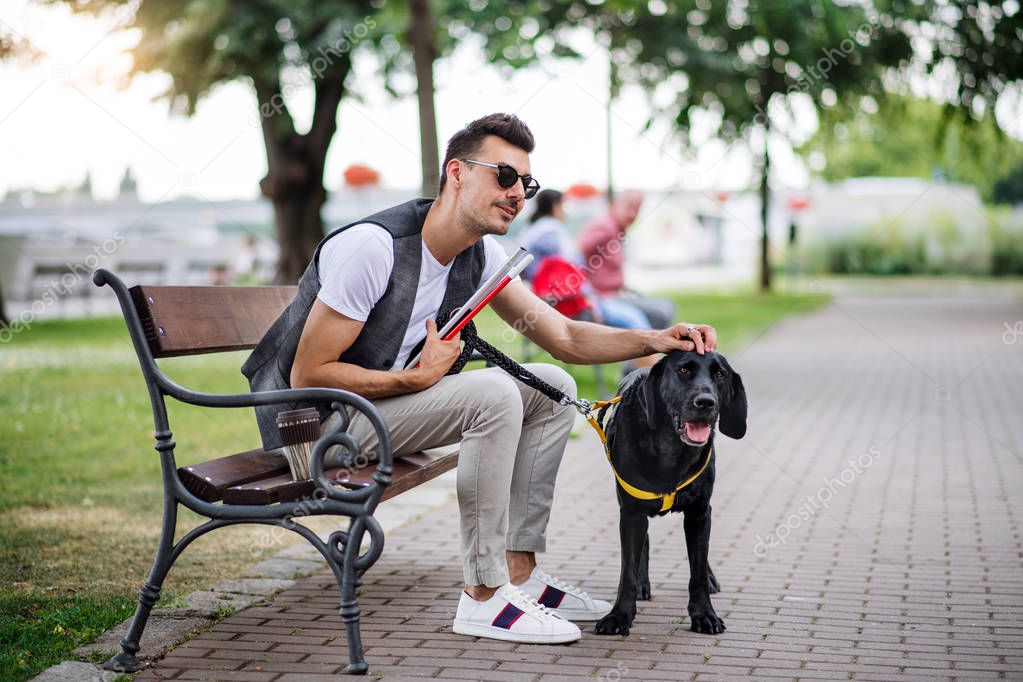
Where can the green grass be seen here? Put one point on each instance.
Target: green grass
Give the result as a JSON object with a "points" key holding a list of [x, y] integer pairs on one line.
{"points": [[41, 630], [80, 492]]}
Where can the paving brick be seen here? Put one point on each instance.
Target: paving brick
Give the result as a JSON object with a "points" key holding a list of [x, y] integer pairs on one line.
{"points": [[240, 675]]}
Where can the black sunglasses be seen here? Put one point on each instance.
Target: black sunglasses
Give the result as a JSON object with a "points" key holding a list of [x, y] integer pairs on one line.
{"points": [[508, 176]]}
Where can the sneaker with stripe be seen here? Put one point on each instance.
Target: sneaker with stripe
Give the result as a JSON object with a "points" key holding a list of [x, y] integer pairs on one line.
{"points": [[568, 601], [512, 616]]}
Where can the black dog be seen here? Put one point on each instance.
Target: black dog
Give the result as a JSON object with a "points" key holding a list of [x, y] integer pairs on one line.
{"points": [[661, 435]]}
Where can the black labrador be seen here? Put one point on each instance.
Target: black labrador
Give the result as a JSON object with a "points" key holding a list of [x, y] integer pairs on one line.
{"points": [[660, 435]]}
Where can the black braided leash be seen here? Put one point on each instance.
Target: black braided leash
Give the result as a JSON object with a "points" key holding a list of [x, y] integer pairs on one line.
{"points": [[492, 354]]}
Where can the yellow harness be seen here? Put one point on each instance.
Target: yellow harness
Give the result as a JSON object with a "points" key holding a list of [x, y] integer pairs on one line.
{"points": [[667, 499]]}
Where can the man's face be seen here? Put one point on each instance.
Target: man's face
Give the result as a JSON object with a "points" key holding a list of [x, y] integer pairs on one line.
{"points": [[626, 208], [486, 206]]}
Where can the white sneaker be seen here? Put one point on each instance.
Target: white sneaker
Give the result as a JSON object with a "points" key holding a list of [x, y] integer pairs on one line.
{"points": [[512, 616], [566, 600]]}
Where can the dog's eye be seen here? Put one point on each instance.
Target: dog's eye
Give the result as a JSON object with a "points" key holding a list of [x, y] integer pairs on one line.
{"points": [[683, 370], [719, 374]]}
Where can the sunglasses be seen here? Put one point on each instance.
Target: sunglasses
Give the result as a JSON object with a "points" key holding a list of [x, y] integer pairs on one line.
{"points": [[508, 176]]}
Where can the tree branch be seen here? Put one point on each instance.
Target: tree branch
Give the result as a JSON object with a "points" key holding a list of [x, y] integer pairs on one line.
{"points": [[279, 137], [329, 90]]}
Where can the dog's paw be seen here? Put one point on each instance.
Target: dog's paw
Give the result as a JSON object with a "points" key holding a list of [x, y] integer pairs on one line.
{"points": [[643, 591], [707, 623], [613, 624]]}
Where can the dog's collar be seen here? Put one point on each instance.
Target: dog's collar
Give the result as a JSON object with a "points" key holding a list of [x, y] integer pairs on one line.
{"points": [[667, 499]]}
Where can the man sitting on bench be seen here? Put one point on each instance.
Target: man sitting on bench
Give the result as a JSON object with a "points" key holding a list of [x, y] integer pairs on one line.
{"points": [[373, 289]]}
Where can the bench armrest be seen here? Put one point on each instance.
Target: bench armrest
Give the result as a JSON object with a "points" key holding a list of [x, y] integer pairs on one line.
{"points": [[158, 383], [338, 399]]}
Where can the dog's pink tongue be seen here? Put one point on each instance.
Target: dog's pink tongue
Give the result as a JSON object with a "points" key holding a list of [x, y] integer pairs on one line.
{"points": [[697, 432]]}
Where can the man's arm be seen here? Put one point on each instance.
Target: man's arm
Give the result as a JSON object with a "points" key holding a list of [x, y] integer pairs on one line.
{"points": [[584, 343], [328, 334]]}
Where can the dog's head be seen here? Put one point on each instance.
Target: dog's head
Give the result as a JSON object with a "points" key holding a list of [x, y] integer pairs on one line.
{"points": [[694, 391]]}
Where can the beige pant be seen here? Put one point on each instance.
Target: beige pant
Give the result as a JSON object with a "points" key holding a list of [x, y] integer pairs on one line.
{"points": [[511, 440]]}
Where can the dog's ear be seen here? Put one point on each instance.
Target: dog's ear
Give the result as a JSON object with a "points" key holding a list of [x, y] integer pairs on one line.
{"points": [[732, 422], [648, 398]]}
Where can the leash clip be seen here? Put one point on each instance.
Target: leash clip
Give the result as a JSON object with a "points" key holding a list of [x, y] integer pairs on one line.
{"points": [[584, 406]]}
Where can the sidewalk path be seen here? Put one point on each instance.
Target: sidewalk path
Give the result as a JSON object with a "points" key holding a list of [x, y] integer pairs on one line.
{"points": [[903, 563]]}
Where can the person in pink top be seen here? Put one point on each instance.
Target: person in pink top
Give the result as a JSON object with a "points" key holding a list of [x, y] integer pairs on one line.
{"points": [[602, 244]]}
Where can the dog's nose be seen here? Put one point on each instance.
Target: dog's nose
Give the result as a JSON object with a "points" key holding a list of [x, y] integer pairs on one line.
{"points": [[705, 401]]}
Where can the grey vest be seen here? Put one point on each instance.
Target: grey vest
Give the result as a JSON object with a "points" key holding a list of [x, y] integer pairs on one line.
{"points": [[377, 346]]}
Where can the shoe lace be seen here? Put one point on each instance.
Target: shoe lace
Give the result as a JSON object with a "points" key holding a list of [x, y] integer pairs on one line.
{"points": [[528, 604], [561, 584]]}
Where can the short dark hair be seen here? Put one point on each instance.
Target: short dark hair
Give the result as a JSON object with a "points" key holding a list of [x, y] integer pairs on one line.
{"points": [[467, 141]]}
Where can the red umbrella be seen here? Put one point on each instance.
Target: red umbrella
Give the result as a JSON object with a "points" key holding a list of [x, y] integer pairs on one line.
{"points": [[359, 175], [798, 203], [582, 191]]}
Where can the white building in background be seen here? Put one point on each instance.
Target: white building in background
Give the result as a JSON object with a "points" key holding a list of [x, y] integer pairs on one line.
{"points": [[862, 203], [686, 239]]}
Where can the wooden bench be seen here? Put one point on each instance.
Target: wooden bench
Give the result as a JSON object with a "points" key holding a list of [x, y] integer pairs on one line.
{"points": [[255, 486]]}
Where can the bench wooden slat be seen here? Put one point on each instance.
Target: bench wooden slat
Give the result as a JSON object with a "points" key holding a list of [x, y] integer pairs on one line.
{"points": [[209, 480], [409, 471], [188, 320]]}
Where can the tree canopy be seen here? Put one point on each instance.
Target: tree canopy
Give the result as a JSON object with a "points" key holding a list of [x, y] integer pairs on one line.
{"points": [[912, 137], [741, 68]]}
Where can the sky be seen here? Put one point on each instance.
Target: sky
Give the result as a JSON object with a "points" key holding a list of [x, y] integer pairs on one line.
{"points": [[73, 111]]}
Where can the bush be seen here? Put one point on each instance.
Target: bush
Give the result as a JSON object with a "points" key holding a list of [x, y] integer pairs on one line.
{"points": [[1006, 231], [942, 247]]}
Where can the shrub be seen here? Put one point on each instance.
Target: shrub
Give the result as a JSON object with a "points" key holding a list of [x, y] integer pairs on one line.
{"points": [[893, 248], [1006, 232]]}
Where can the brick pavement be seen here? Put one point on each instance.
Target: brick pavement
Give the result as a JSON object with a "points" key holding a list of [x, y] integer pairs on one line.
{"points": [[907, 567]]}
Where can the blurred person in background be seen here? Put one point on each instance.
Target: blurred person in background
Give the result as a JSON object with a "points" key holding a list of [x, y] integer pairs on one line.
{"points": [[559, 275], [602, 244], [546, 235]]}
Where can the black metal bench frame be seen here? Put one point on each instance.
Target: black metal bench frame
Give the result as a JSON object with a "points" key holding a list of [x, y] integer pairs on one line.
{"points": [[342, 549]]}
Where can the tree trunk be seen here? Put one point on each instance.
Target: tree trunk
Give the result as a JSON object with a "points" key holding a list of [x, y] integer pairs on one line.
{"points": [[4, 322], [294, 185], [612, 89], [424, 53], [294, 178], [765, 202], [299, 227]]}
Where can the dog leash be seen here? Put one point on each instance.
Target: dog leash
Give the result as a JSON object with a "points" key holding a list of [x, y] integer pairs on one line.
{"points": [[585, 408]]}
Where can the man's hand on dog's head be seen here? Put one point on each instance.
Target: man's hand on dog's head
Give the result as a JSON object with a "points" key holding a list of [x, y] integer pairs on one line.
{"points": [[684, 336]]}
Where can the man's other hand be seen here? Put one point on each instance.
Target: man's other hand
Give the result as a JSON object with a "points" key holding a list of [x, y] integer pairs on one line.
{"points": [[438, 355]]}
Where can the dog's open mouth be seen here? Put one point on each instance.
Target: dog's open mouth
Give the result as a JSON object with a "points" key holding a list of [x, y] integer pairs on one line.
{"points": [[693, 432]]}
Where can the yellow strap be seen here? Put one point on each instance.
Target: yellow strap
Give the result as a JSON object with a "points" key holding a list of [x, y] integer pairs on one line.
{"points": [[667, 499]]}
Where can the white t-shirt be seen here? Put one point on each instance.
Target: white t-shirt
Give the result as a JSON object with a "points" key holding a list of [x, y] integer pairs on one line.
{"points": [[356, 265]]}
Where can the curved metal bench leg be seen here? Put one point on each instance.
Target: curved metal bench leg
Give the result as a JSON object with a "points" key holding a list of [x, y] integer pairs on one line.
{"points": [[126, 661], [348, 581]]}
